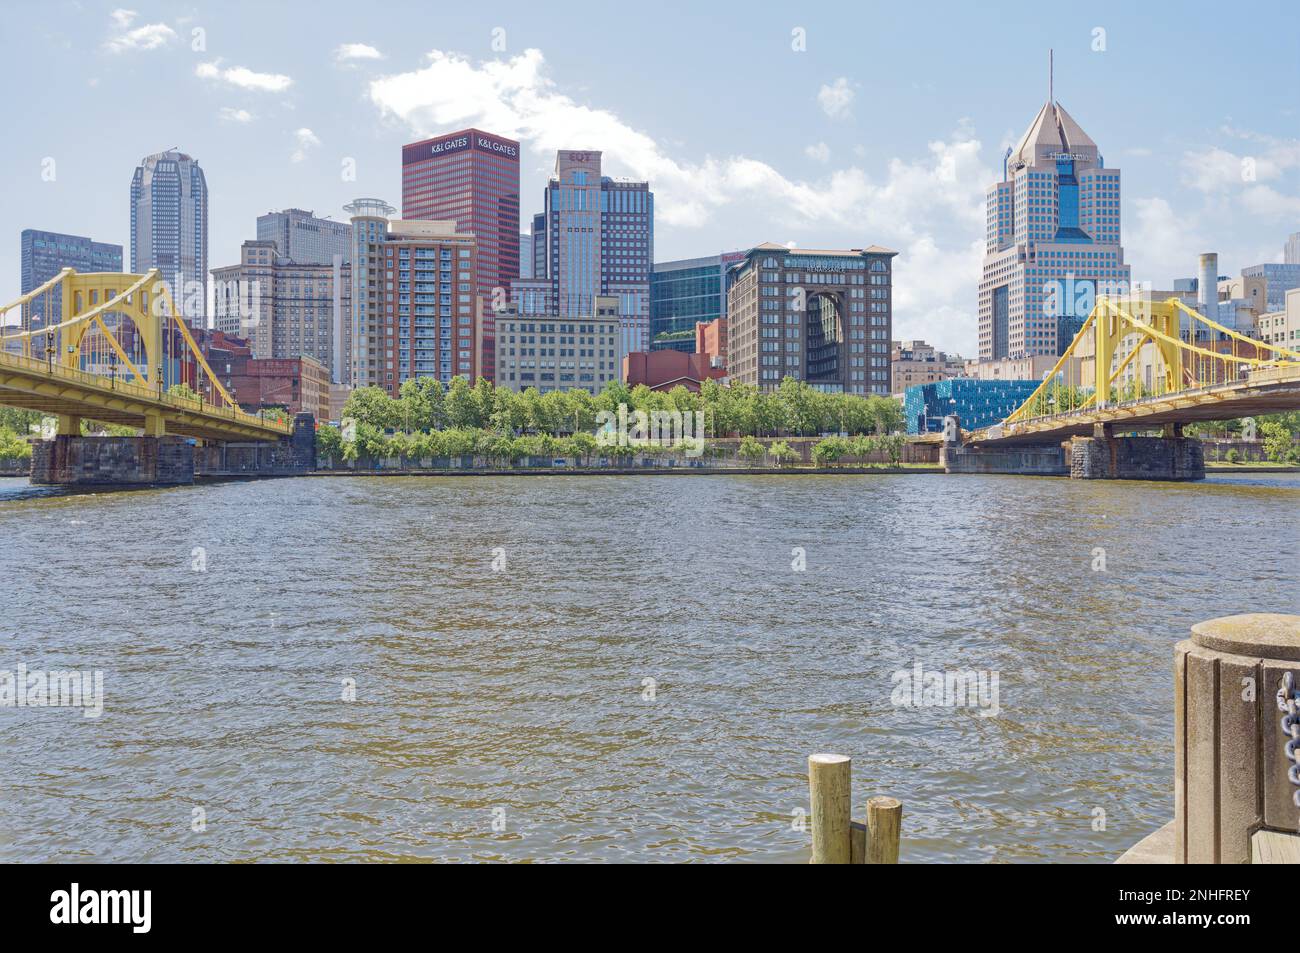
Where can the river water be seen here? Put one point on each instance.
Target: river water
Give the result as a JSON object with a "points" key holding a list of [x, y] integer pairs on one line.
{"points": [[607, 667]]}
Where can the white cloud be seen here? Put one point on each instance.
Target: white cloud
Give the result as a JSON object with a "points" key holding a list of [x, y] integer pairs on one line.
{"points": [[356, 51], [231, 114], [1163, 244], [820, 152], [1215, 169], [836, 99], [150, 36], [1212, 169], [243, 77], [1265, 201], [914, 202], [307, 140]]}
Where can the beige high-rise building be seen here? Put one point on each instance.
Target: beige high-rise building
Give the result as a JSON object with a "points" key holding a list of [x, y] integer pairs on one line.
{"points": [[1053, 240], [284, 308], [1282, 327], [416, 311]]}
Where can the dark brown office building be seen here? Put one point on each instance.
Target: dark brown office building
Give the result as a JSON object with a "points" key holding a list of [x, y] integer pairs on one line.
{"points": [[824, 317]]}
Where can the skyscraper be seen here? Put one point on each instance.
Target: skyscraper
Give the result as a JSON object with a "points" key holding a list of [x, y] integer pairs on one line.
{"points": [[1291, 253], [1053, 240], [286, 308], [414, 305], [537, 244], [525, 255], [366, 333], [169, 228], [471, 178], [595, 237], [308, 240], [45, 254]]}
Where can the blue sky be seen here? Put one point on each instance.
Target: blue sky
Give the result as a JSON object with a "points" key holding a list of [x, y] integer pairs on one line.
{"points": [[885, 129]]}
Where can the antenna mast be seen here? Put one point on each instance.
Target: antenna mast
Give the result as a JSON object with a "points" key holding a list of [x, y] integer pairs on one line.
{"points": [[1050, 71]]}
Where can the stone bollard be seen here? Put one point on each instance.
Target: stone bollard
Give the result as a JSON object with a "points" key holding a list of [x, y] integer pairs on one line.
{"points": [[1230, 763]]}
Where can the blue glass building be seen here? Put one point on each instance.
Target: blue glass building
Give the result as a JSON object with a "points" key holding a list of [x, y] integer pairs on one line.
{"points": [[45, 254], [978, 403], [684, 292]]}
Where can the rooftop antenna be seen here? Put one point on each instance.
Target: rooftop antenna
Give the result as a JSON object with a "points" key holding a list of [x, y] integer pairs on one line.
{"points": [[1050, 71]]}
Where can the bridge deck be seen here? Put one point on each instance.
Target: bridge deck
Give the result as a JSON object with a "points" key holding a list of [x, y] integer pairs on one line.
{"points": [[1268, 391], [29, 384]]}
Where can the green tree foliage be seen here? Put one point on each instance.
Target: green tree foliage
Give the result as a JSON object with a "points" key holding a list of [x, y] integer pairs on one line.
{"points": [[329, 442], [13, 446], [1277, 440], [830, 450], [752, 450], [370, 406], [21, 422], [782, 453], [429, 414]]}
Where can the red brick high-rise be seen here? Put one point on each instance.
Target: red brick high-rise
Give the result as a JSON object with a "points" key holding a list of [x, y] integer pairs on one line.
{"points": [[471, 177]]}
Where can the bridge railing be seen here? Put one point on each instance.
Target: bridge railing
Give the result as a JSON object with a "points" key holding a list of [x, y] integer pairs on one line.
{"points": [[127, 388], [1281, 371]]}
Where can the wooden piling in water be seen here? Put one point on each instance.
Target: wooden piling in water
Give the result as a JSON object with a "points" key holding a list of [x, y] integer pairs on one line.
{"points": [[884, 829], [836, 837], [830, 792]]}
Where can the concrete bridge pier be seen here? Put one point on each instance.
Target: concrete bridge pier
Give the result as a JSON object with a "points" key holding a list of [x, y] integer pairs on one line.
{"points": [[1103, 456]]}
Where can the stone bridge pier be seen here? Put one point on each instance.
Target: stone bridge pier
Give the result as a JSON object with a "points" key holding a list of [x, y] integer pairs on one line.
{"points": [[1103, 456], [70, 459]]}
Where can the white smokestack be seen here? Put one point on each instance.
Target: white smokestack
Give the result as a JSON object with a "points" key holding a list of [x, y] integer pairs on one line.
{"points": [[1207, 285]]}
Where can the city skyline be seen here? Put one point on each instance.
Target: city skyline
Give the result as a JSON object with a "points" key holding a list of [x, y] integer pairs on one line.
{"points": [[826, 153]]}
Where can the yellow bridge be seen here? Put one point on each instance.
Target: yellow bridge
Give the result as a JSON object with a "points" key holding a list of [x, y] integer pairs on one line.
{"points": [[1138, 364], [122, 323]]}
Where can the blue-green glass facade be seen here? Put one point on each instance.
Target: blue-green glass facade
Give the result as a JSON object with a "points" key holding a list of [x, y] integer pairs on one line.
{"points": [[977, 403], [45, 254], [684, 292]]}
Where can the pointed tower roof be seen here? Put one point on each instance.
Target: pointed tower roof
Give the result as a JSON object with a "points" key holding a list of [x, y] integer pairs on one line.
{"points": [[1053, 130], [1073, 134], [1041, 134]]}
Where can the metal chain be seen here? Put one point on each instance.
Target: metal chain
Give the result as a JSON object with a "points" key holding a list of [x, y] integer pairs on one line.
{"points": [[1288, 702]]}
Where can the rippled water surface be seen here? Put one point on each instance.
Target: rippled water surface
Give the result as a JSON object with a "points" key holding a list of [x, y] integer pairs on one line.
{"points": [[519, 696]]}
